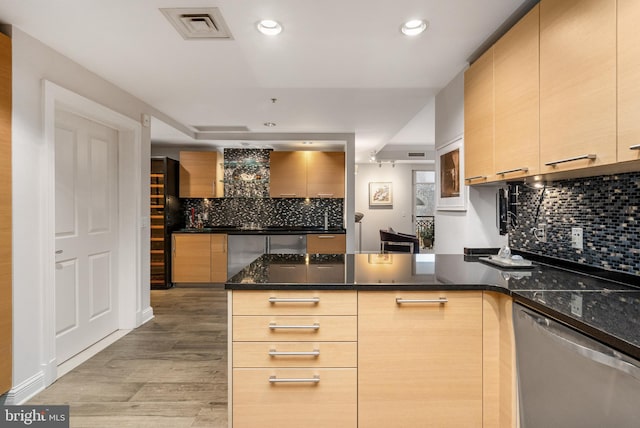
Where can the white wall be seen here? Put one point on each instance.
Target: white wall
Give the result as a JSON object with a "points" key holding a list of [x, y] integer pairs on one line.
{"points": [[399, 216], [475, 227], [33, 62]]}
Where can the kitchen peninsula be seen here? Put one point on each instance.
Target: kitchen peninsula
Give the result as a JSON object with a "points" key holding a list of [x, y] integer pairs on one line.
{"points": [[391, 339]]}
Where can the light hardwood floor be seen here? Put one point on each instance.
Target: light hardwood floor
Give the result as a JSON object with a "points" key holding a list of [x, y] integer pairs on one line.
{"points": [[170, 372]]}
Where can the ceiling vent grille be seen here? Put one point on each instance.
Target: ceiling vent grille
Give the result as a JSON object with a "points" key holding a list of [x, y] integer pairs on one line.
{"points": [[421, 155], [198, 23]]}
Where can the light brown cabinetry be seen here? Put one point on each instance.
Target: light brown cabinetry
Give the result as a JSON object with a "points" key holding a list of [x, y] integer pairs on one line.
{"points": [[325, 174], [419, 362], [628, 80], [517, 99], [199, 257], [498, 362], [294, 358], [198, 171], [6, 308], [478, 120], [288, 174], [306, 174], [577, 84], [326, 243]]}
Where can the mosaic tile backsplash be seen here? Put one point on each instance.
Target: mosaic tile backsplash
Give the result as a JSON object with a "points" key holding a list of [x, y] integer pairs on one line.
{"points": [[267, 212], [246, 201], [606, 207]]}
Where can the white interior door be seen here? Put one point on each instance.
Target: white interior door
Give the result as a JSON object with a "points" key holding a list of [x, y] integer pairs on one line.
{"points": [[86, 233]]}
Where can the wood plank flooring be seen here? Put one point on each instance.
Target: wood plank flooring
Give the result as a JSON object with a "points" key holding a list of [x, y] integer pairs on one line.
{"points": [[170, 372]]}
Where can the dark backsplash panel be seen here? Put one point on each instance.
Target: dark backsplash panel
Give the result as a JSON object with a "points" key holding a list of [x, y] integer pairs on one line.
{"points": [[606, 207], [246, 173], [267, 212]]}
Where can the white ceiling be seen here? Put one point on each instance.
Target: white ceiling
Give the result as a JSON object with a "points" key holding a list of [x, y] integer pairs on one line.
{"points": [[340, 66]]}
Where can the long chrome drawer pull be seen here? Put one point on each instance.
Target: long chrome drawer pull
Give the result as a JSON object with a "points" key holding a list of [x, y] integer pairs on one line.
{"points": [[441, 300], [476, 177], [314, 379], [589, 156], [274, 326], [636, 147], [294, 300], [314, 353], [508, 171], [293, 195], [325, 195], [326, 236]]}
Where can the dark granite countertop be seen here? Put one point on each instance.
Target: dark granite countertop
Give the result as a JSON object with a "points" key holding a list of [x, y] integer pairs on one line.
{"points": [[607, 310], [266, 230]]}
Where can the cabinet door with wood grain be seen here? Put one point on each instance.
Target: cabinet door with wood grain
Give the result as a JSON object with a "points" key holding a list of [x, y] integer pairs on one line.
{"points": [[288, 175], [419, 359], [325, 174], [218, 257], [628, 80], [191, 257], [198, 171], [577, 84], [478, 120], [517, 99]]}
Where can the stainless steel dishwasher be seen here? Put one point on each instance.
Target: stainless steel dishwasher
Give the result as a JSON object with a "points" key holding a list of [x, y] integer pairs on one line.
{"points": [[243, 249], [566, 379]]}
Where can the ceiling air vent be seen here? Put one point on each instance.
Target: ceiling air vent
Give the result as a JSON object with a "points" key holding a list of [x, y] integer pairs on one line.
{"points": [[421, 155], [198, 23]]}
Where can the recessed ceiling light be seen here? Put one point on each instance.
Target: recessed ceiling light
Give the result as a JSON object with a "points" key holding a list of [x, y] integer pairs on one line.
{"points": [[307, 142], [269, 124], [269, 27], [414, 27]]}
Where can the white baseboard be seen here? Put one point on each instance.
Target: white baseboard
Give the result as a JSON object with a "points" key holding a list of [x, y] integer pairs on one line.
{"points": [[91, 351], [147, 315], [25, 390]]}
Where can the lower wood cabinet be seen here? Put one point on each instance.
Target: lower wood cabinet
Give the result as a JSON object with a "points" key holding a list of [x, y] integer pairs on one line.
{"points": [[199, 257], [371, 359], [419, 362], [283, 398], [326, 243], [293, 357]]}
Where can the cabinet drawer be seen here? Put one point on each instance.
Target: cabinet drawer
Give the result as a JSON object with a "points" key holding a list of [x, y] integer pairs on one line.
{"points": [[294, 354], [327, 244], [331, 401], [294, 328], [284, 302]]}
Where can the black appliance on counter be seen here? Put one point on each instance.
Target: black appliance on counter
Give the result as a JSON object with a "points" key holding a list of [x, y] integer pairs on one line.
{"points": [[165, 218]]}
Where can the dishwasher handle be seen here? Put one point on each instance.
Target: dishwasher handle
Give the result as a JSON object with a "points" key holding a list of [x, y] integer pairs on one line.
{"points": [[551, 329]]}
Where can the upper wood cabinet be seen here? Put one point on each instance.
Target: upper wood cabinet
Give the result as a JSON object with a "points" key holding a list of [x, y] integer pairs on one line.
{"points": [[325, 174], [577, 84], [628, 80], [198, 174], [6, 353], [517, 99], [288, 174], [303, 174], [478, 120]]}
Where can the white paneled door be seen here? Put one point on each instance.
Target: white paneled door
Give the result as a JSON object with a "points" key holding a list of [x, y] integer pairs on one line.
{"points": [[86, 220]]}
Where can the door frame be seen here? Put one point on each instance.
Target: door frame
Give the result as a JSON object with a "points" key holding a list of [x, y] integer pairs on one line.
{"points": [[131, 314]]}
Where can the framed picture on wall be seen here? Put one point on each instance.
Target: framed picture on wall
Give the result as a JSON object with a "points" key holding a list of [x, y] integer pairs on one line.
{"points": [[451, 192], [380, 194]]}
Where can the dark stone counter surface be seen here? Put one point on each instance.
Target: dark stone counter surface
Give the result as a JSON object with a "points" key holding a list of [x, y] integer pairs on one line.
{"points": [[608, 311], [265, 230]]}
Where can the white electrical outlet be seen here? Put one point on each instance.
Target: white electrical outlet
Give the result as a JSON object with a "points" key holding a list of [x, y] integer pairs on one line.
{"points": [[576, 238], [542, 233], [576, 305]]}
